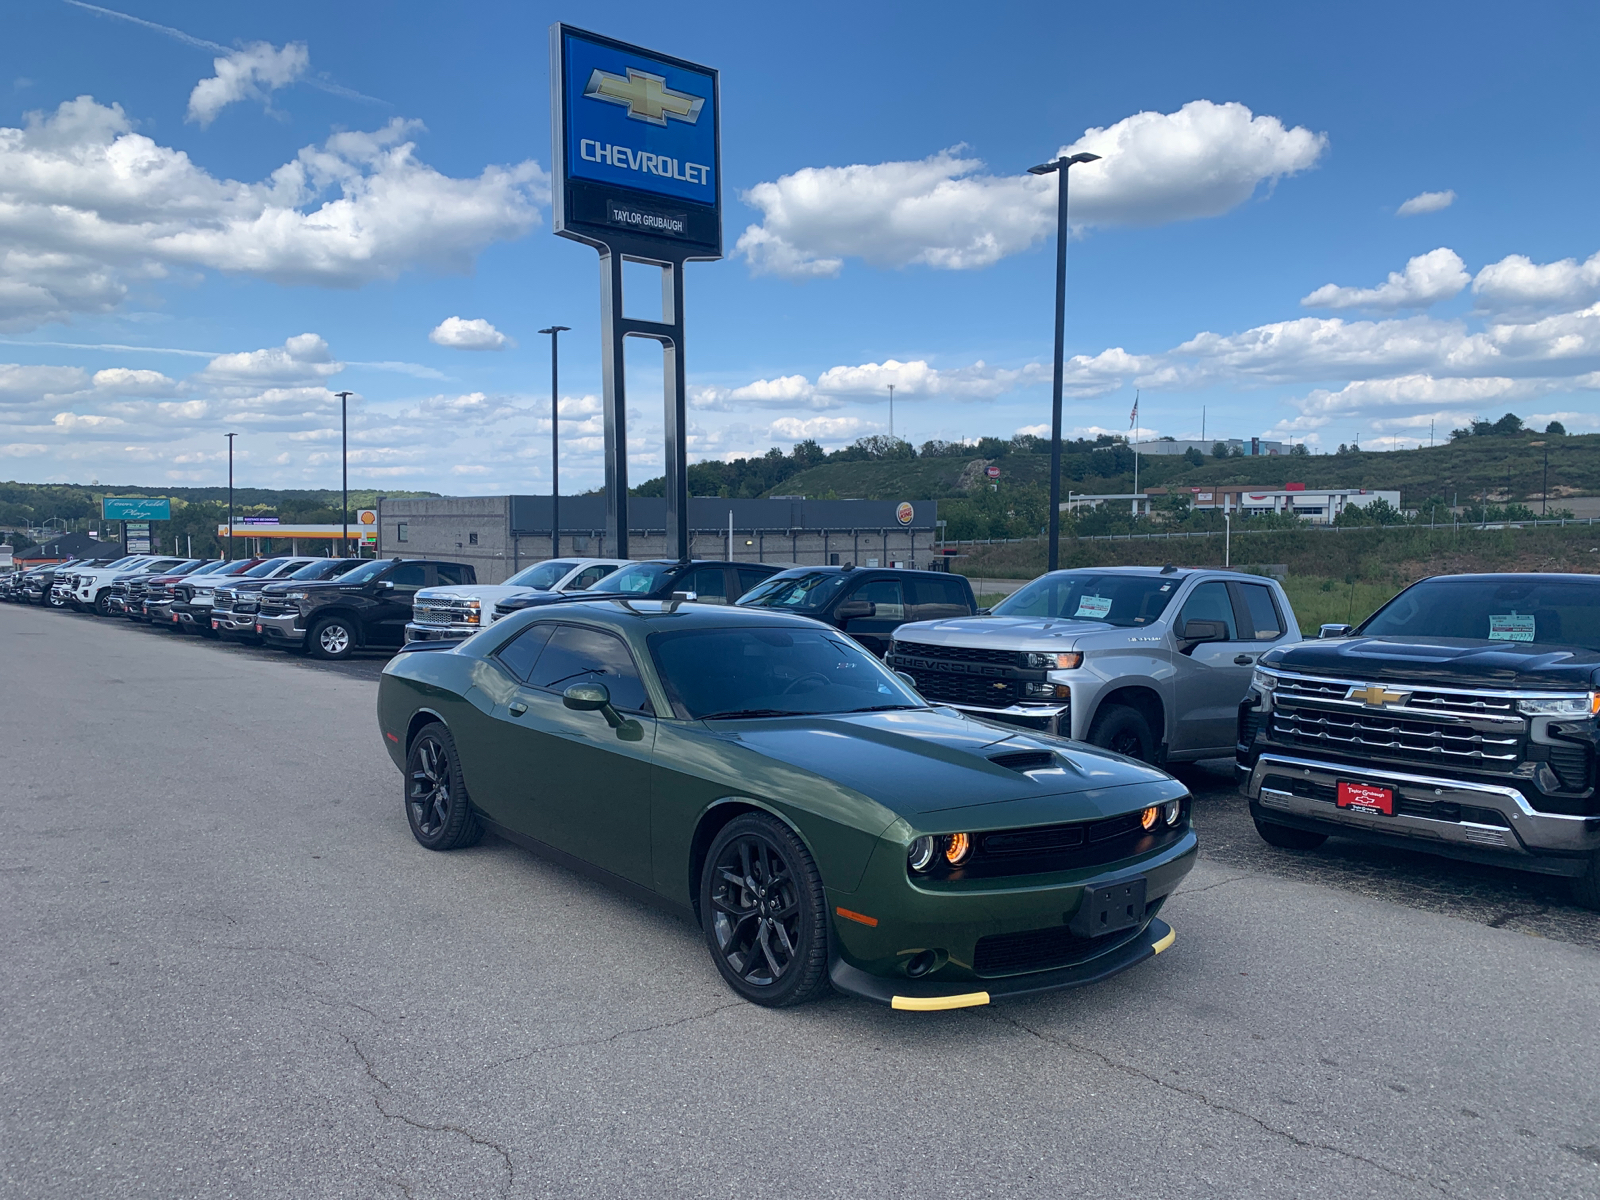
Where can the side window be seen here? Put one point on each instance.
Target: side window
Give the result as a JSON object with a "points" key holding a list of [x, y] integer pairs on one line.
{"points": [[1209, 602], [935, 599], [451, 573], [886, 594], [521, 652], [1263, 611], [575, 654], [709, 583], [402, 531], [588, 577], [750, 578], [408, 575]]}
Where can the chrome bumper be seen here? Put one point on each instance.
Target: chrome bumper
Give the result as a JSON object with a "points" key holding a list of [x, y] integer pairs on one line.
{"points": [[418, 632], [232, 622], [1527, 833], [279, 629]]}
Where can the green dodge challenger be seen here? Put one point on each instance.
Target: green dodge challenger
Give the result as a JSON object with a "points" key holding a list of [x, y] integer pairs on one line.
{"points": [[767, 777]]}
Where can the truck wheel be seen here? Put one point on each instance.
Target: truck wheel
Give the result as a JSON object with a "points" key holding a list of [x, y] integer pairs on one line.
{"points": [[1286, 838], [1123, 730], [1586, 887], [332, 638], [102, 603]]}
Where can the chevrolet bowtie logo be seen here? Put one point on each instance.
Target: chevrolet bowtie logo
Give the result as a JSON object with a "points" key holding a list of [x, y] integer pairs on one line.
{"points": [[646, 97], [1375, 695]]}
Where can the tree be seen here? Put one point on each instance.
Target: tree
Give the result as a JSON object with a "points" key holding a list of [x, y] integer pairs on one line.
{"points": [[1374, 512], [1299, 448], [1555, 427], [1193, 457], [1219, 450], [1508, 424]]}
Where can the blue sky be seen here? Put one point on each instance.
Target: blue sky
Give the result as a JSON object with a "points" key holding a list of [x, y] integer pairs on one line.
{"points": [[262, 205]]}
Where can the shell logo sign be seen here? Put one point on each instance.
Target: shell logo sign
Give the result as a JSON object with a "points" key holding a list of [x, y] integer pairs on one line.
{"points": [[905, 512], [367, 524]]}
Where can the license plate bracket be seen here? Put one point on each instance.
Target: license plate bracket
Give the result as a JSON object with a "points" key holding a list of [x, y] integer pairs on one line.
{"points": [[1366, 797], [1109, 908]]}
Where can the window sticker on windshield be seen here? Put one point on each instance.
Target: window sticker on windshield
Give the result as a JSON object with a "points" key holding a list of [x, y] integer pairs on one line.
{"points": [[1097, 607], [1510, 627]]}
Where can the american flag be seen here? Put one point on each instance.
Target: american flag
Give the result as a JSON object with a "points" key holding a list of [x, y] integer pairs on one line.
{"points": [[1133, 417]]}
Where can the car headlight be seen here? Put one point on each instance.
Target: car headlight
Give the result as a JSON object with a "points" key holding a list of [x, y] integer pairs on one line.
{"points": [[1049, 691], [920, 857], [1263, 680], [953, 848], [1053, 662], [1580, 704], [1171, 811], [297, 596], [198, 592]]}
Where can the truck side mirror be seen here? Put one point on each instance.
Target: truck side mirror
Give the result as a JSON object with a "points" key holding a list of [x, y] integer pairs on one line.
{"points": [[1196, 631], [852, 609], [386, 585], [1334, 631]]}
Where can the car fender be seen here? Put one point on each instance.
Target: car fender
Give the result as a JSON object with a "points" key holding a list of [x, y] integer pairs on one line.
{"points": [[1111, 672]]}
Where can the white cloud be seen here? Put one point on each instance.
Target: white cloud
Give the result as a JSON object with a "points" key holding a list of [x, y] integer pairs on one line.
{"points": [[22, 449], [90, 205], [822, 429], [18, 383], [943, 211], [1516, 282], [1426, 202], [125, 381], [248, 74], [72, 422], [476, 334], [1428, 278], [303, 359]]}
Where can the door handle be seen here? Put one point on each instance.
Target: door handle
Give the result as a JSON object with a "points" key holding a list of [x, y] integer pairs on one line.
{"points": [[517, 709], [1242, 660]]}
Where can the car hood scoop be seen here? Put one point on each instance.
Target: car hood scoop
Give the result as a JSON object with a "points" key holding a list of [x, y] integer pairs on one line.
{"points": [[927, 760]]}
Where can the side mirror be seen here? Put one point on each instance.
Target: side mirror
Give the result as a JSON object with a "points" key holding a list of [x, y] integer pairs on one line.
{"points": [[983, 612], [596, 697], [386, 585], [907, 678], [852, 609], [1334, 631], [1197, 631]]}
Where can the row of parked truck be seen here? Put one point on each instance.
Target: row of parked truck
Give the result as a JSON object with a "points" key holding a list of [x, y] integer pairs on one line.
{"points": [[1463, 717]]}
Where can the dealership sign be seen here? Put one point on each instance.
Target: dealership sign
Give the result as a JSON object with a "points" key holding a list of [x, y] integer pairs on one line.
{"points": [[637, 145], [135, 508]]}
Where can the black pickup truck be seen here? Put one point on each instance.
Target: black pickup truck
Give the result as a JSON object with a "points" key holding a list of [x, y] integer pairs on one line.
{"points": [[367, 607], [705, 581], [868, 603], [1460, 718]]}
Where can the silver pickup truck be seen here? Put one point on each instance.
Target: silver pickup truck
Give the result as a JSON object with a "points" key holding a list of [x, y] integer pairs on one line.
{"points": [[1151, 662]]}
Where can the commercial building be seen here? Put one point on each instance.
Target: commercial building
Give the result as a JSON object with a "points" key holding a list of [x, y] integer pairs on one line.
{"points": [[1317, 505], [1245, 446], [499, 535]]}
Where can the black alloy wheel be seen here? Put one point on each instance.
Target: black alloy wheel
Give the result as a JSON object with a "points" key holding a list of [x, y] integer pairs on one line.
{"points": [[437, 805], [1123, 730], [762, 907], [333, 639], [102, 603], [1286, 837]]}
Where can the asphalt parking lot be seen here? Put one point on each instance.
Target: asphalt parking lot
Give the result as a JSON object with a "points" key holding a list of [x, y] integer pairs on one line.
{"points": [[230, 971]]}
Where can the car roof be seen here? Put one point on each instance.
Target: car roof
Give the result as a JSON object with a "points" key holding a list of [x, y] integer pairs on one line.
{"points": [[662, 614], [832, 569]]}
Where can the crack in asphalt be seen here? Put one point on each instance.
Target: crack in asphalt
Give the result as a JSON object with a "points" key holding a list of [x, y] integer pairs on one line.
{"points": [[1188, 891], [1215, 1105], [475, 1139], [327, 1003], [275, 950], [611, 1037]]}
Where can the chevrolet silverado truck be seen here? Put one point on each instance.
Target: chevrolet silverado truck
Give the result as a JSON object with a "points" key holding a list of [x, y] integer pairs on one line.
{"points": [[366, 608], [161, 593], [1151, 662], [1458, 719], [233, 614], [458, 611], [91, 589], [193, 597]]}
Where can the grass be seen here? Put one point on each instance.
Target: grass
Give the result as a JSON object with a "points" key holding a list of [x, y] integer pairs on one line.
{"points": [[1318, 602]]}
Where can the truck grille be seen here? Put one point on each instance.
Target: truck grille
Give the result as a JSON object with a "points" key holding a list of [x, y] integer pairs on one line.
{"points": [[974, 654], [1472, 704], [277, 608], [1393, 737], [972, 690], [443, 612]]}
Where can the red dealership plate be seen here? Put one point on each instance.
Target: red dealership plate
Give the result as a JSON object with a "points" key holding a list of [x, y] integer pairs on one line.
{"points": [[1364, 797]]}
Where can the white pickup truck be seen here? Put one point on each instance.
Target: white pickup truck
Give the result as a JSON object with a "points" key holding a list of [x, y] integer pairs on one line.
{"points": [[439, 613], [91, 587]]}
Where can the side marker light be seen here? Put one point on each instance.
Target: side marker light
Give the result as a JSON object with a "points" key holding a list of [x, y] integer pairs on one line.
{"points": [[855, 916]]}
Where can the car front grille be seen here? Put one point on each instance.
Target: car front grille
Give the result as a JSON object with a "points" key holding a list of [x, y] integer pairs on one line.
{"points": [[1393, 737], [1042, 949], [277, 608], [970, 654], [972, 690], [443, 612]]}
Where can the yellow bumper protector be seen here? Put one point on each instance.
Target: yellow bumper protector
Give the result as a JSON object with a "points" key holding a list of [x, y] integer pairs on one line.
{"points": [[938, 1003], [1166, 942]]}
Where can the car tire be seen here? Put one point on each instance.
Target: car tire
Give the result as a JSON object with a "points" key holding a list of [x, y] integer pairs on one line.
{"points": [[1285, 837], [764, 912], [1586, 887], [102, 603], [332, 639], [1123, 730], [438, 808]]}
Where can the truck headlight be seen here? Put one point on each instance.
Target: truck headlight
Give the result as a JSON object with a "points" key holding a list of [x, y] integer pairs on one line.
{"points": [[1047, 691], [1053, 662], [296, 596], [1263, 680], [1580, 704]]}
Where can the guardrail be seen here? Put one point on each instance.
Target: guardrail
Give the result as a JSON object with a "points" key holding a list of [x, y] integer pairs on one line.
{"points": [[1168, 534]]}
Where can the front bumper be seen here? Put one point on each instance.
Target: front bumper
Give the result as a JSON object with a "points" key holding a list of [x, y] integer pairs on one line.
{"points": [[196, 616], [1430, 814], [284, 630], [1048, 718], [419, 632], [229, 621]]}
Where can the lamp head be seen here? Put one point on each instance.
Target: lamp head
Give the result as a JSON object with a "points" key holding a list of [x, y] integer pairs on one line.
{"points": [[556, 329], [1083, 158], [1045, 168]]}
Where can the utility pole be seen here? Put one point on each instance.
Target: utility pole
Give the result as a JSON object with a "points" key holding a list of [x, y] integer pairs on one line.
{"points": [[1060, 167], [344, 456], [230, 438], [891, 412], [555, 332], [1544, 490]]}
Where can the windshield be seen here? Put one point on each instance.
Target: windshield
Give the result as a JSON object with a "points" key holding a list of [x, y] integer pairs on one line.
{"points": [[543, 576], [638, 579], [327, 568], [764, 672], [811, 590], [366, 571], [158, 566], [1125, 600], [1508, 609]]}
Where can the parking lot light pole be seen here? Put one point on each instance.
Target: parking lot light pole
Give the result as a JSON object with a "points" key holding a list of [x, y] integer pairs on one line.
{"points": [[230, 438], [1060, 166], [555, 332], [344, 457]]}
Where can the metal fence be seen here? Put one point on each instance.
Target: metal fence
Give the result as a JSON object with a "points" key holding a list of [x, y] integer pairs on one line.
{"points": [[1169, 535]]}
